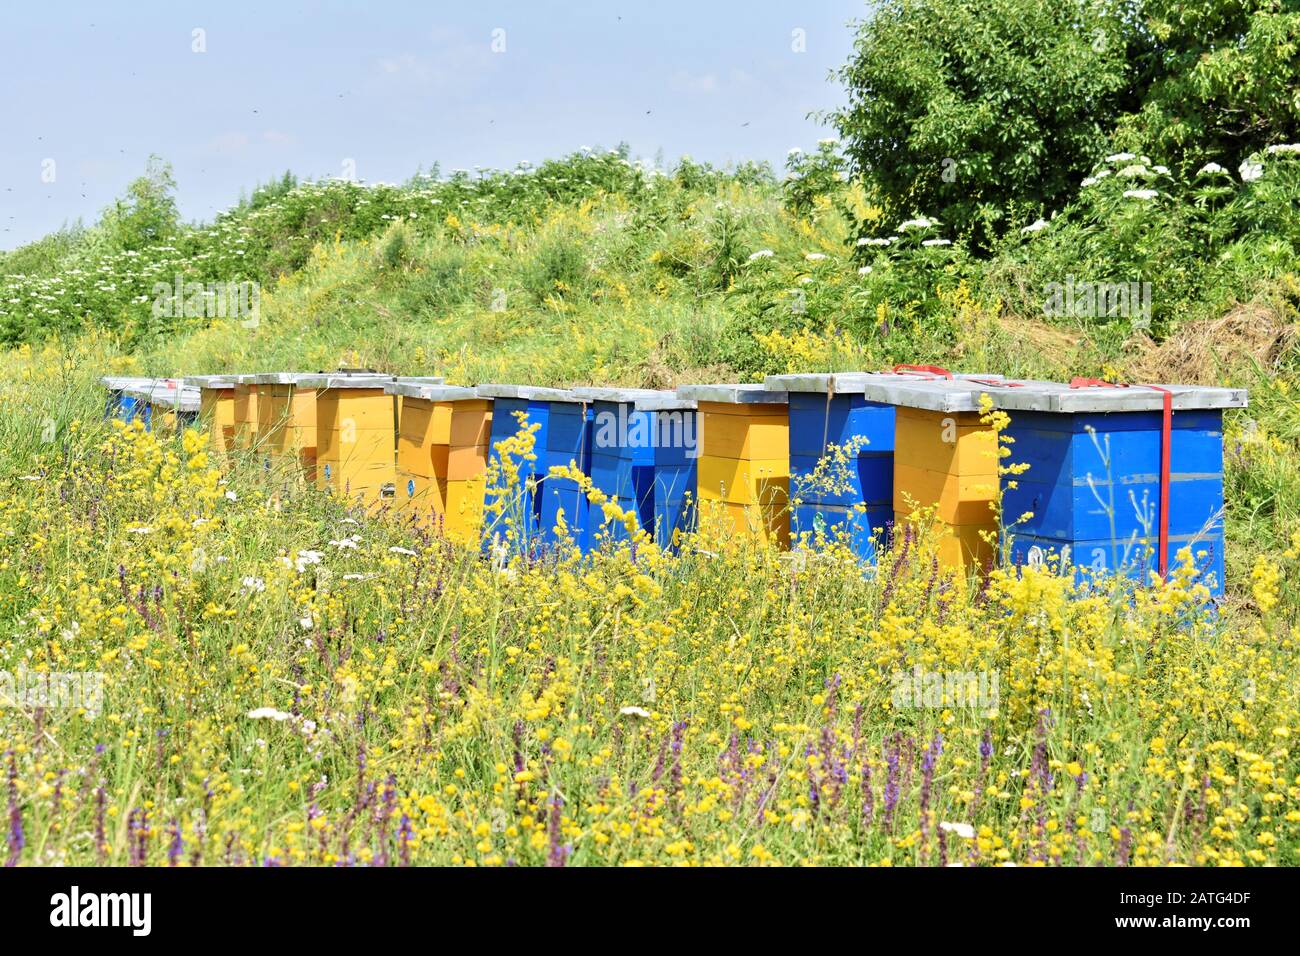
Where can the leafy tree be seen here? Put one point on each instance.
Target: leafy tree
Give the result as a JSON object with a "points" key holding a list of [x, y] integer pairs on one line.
{"points": [[1227, 81], [986, 112], [147, 213]]}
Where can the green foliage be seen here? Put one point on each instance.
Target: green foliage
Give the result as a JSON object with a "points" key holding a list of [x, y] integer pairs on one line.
{"points": [[395, 248], [46, 255], [812, 175], [1225, 82], [988, 114], [146, 215], [106, 275], [558, 268], [441, 281], [984, 112], [1202, 242]]}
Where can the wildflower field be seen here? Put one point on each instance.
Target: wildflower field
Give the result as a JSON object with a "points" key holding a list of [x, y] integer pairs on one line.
{"points": [[286, 681]]}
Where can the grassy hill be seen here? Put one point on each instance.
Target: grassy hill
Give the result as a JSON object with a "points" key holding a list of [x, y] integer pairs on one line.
{"points": [[288, 682]]}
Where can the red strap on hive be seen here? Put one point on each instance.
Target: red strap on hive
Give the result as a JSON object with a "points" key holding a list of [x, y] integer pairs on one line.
{"points": [[904, 369], [1166, 441], [1166, 437], [1080, 381]]}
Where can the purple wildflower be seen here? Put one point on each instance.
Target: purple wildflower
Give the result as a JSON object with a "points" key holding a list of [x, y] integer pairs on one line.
{"points": [[17, 840], [558, 853]]}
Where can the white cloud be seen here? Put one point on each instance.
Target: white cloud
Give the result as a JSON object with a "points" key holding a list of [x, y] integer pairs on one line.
{"points": [[449, 61]]}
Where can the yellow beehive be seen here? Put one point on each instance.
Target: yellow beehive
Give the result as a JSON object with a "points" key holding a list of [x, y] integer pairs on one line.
{"points": [[743, 482], [961, 546], [355, 436], [769, 525], [744, 464], [945, 463], [423, 443], [217, 410], [745, 432], [469, 429], [286, 422], [245, 411], [463, 519]]}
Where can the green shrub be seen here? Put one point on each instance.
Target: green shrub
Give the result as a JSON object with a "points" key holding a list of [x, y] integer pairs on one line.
{"points": [[984, 111]]}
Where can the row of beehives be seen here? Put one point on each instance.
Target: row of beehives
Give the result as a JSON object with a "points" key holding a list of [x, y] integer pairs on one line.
{"points": [[1110, 477]]}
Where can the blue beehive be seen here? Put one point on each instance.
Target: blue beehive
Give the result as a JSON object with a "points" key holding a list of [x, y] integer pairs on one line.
{"points": [[677, 452], [120, 404], [1091, 496], [568, 444], [643, 458], [847, 495], [524, 508], [168, 396]]}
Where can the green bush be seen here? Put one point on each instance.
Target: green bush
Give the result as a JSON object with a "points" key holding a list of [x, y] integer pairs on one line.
{"points": [[440, 281], [985, 112], [1224, 81]]}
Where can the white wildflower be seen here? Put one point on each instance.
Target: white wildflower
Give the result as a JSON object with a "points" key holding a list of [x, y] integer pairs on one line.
{"points": [[306, 558], [1140, 194], [268, 713]]}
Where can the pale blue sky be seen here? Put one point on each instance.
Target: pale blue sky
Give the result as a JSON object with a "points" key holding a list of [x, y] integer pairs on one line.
{"points": [[96, 87]]}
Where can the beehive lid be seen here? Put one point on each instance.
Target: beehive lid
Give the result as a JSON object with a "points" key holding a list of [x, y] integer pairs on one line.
{"points": [[641, 399], [744, 394], [851, 383], [210, 381], [664, 402], [432, 392], [1059, 398], [248, 378], [912, 391], [117, 383], [166, 395], [324, 380], [422, 379], [622, 396], [527, 393], [281, 378]]}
